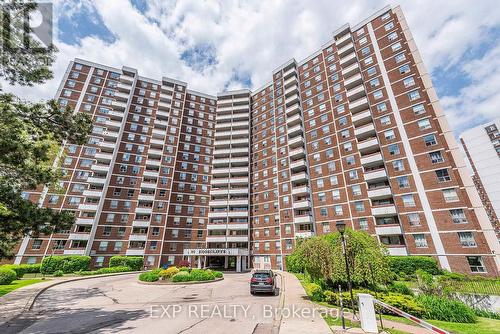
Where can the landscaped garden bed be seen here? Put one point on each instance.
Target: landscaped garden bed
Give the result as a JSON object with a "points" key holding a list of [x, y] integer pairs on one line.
{"points": [[183, 275]]}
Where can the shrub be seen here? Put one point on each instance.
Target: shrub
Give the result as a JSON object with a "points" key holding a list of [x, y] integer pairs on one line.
{"points": [[111, 270], [7, 276], [134, 262], [438, 308], [294, 263], [184, 263], [314, 291], [58, 273], [169, 272], [68, 264], [201, 275], [405, 303], [182, 276], [410, 264], [217, 274], [400, 288], [32, 268], [486, 314], [185, 269], [453, 276], [149, 276], [19, 269]]}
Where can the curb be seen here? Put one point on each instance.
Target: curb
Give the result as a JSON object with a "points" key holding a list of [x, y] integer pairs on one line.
{"points": [[180, 283], [32, 299], [277, 322]]}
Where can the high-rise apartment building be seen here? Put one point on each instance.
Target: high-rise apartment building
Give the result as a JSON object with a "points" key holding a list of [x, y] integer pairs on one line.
{"points": [[482, 148], [353, 133]]}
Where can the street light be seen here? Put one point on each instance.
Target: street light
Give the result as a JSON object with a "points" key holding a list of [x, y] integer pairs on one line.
{"points": [[341, 228]]}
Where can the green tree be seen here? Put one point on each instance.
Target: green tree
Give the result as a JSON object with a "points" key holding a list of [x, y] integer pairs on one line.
{"points": [[31, 135], [322, 258]]}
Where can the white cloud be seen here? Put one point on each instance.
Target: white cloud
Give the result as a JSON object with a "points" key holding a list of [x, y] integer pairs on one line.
{"points": [[255, 37]]}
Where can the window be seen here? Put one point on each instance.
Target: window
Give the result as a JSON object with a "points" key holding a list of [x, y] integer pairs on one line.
{"points": [[424, 124], [436, 157], [359, 206], [399, 58], [450, 195], [413, 95], [393, 149], [37, 244], [378, 94], [458, 216], [420, 241], [419, 109], [413, 219], [356, 190], [398, 165], [408, 82], [430, 140], [404, 69], [386, 120], [467, 239], [476, 264], [389, 26], [443, 175], [403, 182], [408, 201], [363, 224], [326, 227], [389, 135]]}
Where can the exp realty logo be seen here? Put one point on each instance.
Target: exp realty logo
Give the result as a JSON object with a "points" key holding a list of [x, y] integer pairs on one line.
{"points": [[26, 25]]}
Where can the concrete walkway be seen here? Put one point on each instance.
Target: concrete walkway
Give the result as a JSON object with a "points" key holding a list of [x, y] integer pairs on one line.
{"points": [[300, 315]]}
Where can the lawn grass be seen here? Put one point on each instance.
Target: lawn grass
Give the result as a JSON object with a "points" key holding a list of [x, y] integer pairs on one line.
{"points": [[337, 321], [4, 289]]}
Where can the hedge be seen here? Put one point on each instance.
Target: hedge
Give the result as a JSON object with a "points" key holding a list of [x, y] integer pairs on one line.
{"points": [[409, 264], [111, 270], [444, 309], [68, 264], [7, 276], [134, 262], [149, 276], [182, 276], [21, 269]]}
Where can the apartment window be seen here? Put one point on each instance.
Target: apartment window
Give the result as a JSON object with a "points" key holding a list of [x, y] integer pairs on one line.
{"points": [[476, 264], [408, 82], [419, 109], [378, 94], [403, 182], [404, 69], [450, 195], [424, 124], [398, 165], [420, 241], [430, 140], [413, 219], [118, 246], [363, 224], [389, 26], [389, 135], [436, 157], [323, 212], [386, 120], [336, 194], [371, 71], [392, 36], [395, 47], [338, 210], [99, 261], [413, 95], [326, 227], [467, 239], [37, 244], [458, 216], [103, 246], [356, 190], [359, 206], [408, 200], [381, 107], [443, 175], [353, 174], [393, 149]]}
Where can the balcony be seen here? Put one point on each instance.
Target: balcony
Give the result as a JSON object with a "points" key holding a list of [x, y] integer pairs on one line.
{"points": [[340, 42], [110, 134], [79, 236], [124, 87], [163, 105], [388, 230], [379, 193], [350, 70], [298, 178], [305, 219], [304, 234], [220, 172], [74, 252], [235, 161], [143, 210], [397, 251], [148, 173], [240, 124], [166, 97], [302, 205], [353, 81], [294, 120], [160, 124], [298, 191], [372, 160], [161, 114], [167, 89], [121, 96], [348, 60], [222, 135], [146, 198], [241, 100], [356, 93], [88, 207], [138, 237], [297, 153], [239, 170], [154, 152], [220, 162], [389, 210], [100, 168], [96, 180], [113, 124], [365, 131], [103, 156], [159, 133], [295, 130], [126, 78], [292, 99], [377, 175], [293, 109], [290, 81], [296, 142], [290, 72], [358, 105], [362, 118], [230, 226], [140, 223], [119, 105], [239, 133], [84, 221], [134, 252], [148, 185], [107, 144], [298, 165], [368, 145], [343, 51], [92, 193], [292, 90], [150, 162]]}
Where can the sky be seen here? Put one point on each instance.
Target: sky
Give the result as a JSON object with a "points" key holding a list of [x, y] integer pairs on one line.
{"points": [[220, 45]]}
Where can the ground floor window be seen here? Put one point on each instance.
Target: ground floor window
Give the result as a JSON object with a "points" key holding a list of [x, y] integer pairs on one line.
{"points": [[476, 264]]}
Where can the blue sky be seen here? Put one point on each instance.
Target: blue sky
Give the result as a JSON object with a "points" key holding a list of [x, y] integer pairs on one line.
{"points": [[217, 45]]}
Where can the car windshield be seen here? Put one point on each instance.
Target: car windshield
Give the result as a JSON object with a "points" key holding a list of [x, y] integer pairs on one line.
{"points": [[261, 275]]}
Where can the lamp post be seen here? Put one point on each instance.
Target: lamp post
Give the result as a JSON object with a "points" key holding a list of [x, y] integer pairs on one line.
{"points": [[341, 228]]}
